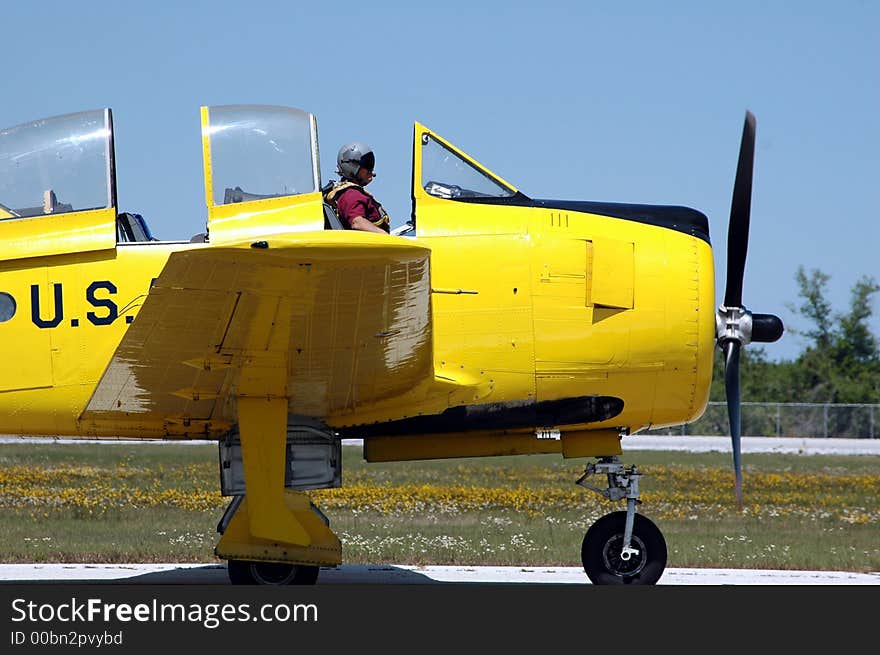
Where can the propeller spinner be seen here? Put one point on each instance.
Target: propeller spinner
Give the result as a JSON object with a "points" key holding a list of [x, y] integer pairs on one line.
{"points": [[737, 326]]}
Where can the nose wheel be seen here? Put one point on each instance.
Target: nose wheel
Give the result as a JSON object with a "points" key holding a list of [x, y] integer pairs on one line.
{"points": [[607, 563], [621, 547]]}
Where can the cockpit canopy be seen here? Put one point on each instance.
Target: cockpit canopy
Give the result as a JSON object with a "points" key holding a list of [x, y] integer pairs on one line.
{"points": [[259, 152], [261, 171], [57, 165], [57, 186]]}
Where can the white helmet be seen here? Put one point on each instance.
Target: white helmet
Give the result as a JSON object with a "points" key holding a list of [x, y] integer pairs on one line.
{"points": [[352, 156]]}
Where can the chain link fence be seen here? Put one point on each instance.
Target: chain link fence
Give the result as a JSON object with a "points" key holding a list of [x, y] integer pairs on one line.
{"points": [[855, 421]]}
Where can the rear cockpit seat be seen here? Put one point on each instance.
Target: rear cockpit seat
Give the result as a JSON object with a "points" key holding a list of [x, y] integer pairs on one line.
{"points": [[331, 220], [132, 228]]}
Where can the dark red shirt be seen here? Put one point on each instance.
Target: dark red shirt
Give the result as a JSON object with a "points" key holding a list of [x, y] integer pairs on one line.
{"points": [[352, 203]]}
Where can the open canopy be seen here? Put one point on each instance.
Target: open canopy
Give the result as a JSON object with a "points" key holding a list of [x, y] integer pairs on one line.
{"points": [[57, 185]]}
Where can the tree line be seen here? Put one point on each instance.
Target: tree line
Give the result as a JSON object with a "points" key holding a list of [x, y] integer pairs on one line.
{"points": [[841, 360]]}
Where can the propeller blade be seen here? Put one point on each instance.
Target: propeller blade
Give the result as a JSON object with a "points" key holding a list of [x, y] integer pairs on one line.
{"points": [[731, 384], [740, 209]]}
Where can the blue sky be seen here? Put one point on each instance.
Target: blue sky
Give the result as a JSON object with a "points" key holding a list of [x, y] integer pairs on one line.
{"points": [[628, 102]]}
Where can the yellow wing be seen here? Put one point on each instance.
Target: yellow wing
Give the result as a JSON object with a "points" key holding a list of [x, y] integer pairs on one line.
{"points": [[333, 321]]}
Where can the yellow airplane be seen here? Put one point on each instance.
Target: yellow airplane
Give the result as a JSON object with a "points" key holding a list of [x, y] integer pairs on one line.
{"points": [[491, 324]]}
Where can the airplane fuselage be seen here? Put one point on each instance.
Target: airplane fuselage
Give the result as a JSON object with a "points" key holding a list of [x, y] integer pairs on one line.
{"points": [[529, 314]]}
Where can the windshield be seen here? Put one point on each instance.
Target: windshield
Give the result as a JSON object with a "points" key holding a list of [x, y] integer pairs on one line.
{"points": [[447, 175], [56, 165], [261, 152]]}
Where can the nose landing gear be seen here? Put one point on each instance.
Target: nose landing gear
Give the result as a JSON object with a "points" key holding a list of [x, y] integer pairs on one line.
{"points": [[621, 547]]}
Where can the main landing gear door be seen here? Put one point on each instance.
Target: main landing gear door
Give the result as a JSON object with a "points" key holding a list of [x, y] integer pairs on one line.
{"points": [[58, 186], [262, 175]]}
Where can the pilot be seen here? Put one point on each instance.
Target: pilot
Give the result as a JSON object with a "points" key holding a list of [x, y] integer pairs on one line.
{"points": [[356, 207]]}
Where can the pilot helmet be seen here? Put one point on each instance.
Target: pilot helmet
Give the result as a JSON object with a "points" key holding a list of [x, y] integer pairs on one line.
{"points": [[352, 156]]}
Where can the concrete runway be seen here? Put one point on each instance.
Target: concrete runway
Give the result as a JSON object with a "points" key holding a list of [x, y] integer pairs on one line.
{"points": [[215, 574]]}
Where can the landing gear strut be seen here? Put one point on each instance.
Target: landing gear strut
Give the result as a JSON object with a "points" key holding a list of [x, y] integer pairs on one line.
{"points": [[621, 547]]}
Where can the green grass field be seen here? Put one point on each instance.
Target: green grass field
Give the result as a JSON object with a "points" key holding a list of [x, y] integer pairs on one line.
{"points": [[161, 503]]}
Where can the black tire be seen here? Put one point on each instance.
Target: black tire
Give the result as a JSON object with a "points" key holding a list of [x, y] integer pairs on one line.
{"points": [[600, 552], [271, 573]]}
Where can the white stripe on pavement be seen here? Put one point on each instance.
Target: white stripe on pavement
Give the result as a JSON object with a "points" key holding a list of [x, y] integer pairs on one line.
{"points": [[195, 574]]}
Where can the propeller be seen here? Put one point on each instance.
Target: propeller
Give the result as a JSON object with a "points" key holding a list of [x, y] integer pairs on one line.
{"points": [[735, 325]]}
